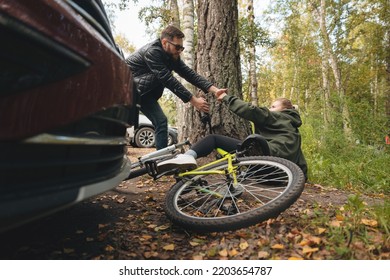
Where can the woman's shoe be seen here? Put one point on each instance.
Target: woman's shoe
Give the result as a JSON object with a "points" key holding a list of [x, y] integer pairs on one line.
{"points": [[181, 162]]}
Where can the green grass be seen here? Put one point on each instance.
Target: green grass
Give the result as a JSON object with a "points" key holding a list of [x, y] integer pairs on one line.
{"points": [[335, 162]]}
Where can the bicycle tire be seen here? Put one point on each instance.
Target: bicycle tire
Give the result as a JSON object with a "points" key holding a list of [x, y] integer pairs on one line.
{"points": [[266, 187]]}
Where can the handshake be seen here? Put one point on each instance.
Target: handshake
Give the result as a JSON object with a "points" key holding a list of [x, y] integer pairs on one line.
{"points": [[220, 94], [201, 104]]}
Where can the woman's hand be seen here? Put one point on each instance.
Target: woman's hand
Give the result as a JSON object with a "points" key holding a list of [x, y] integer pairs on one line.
{"points": [[221, 96], [217, 91]]}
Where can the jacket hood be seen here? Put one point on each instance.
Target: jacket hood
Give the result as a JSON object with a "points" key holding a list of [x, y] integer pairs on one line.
{"points": [[294, 116]]}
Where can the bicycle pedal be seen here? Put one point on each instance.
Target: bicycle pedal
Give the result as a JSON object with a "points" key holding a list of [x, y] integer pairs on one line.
{"points": [[151, 168]]}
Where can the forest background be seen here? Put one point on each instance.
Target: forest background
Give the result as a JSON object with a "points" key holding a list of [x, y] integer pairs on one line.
{"points": [[331, 58]]}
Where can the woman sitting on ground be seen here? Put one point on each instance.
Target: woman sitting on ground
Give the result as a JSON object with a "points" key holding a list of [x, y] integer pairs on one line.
{"points": [[278, 125]]}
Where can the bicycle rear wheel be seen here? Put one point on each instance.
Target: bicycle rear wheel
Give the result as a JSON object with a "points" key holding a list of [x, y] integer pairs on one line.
{"points": [[206, 203]]}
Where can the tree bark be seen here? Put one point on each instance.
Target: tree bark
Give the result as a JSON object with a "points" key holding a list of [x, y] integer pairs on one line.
{"points": [[183, 109], [252, 56], [326, 90], [387, 90], [336, 72], [218, 59], [175, 15]]}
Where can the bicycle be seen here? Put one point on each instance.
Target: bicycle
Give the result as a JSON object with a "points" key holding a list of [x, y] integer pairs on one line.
{"points": [[229, 193]]}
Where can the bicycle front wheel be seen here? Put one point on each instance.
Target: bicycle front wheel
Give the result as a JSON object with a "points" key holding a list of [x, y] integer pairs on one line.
{"points": [[266, 186]]}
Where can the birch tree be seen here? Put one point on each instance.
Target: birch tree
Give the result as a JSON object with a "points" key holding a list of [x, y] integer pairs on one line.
{"points": [[188, 21], [252, 55], [331, 56]]}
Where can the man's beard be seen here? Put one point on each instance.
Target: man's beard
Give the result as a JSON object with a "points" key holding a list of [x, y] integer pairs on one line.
{"points": [[175, 57]]}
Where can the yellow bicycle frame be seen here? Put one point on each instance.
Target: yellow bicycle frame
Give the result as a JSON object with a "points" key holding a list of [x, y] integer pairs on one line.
{"points": [[226, 156]]}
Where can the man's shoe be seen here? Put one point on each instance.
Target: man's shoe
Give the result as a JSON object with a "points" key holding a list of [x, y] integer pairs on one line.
{"points": [[181, 162]]}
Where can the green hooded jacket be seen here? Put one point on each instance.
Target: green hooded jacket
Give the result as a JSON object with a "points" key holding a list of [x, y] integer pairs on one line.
{"points": [[280, 129]]}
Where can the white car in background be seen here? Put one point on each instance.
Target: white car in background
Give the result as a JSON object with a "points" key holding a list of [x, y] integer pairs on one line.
{"points": [[144, 137]]}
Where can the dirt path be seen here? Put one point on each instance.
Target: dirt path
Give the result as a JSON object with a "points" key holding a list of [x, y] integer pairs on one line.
{"points": [[129, 223]]}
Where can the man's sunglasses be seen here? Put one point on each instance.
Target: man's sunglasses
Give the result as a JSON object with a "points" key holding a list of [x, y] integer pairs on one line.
{"points": [[178, 47]]}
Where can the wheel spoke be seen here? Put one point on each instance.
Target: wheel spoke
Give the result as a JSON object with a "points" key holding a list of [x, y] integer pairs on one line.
{"points": [[215, 202]]}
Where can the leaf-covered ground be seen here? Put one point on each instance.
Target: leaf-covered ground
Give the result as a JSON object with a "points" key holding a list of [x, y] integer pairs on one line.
{"points": [[316, 227], [129, 223]]}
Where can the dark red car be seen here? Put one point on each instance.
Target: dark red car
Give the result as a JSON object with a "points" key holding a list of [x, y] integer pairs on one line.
{"points": [[65, 103]]}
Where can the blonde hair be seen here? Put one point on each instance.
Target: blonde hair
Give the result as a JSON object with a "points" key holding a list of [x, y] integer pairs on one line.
{"points": [[286, 103]]}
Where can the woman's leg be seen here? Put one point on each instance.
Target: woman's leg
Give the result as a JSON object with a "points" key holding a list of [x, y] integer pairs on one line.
{"points": [[201, 148], [208, 144]]}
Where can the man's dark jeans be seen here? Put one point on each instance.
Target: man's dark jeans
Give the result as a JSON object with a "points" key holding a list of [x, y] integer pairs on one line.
{"points": [[152, 110]]}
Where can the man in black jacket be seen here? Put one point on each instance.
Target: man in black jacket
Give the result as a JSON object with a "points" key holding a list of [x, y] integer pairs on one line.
{"points": [[152, 67]]}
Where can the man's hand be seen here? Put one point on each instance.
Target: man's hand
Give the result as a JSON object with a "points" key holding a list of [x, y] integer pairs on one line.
{"points": [[200, 104]]}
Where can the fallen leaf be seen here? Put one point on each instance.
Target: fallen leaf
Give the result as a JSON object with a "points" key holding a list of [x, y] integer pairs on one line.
{"points": [[308, 249], [233, 252], [315, 240], [223, 253], [109, 248], [339, 217], [335, 223], [263, 255], [295, 258], [321, 230], [242, 234], [304, 242], [105, 206], [371, 223], [194, 244], [145, 237], [197, 257], [295, 231], [244, 245], [148, 255], [290, 236], [263, 242], [212, 252], [278, 246], [169, 247], [163, 227], [152, 226]]}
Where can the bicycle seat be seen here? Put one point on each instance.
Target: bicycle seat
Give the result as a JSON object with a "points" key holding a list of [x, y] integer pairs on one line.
{"points": [[255, 145]]}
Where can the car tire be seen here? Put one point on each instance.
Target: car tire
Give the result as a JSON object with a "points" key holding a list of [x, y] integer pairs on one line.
{"points": [[144, 137], [170, 139]]}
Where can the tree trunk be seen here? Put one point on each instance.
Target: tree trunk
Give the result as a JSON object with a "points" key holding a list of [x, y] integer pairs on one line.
{"points": [[374, 84], [252, 55], [336, 72], [175, 15], [387, 91], [184, 109], [294, 81], [218, 59], [326, 90]]}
